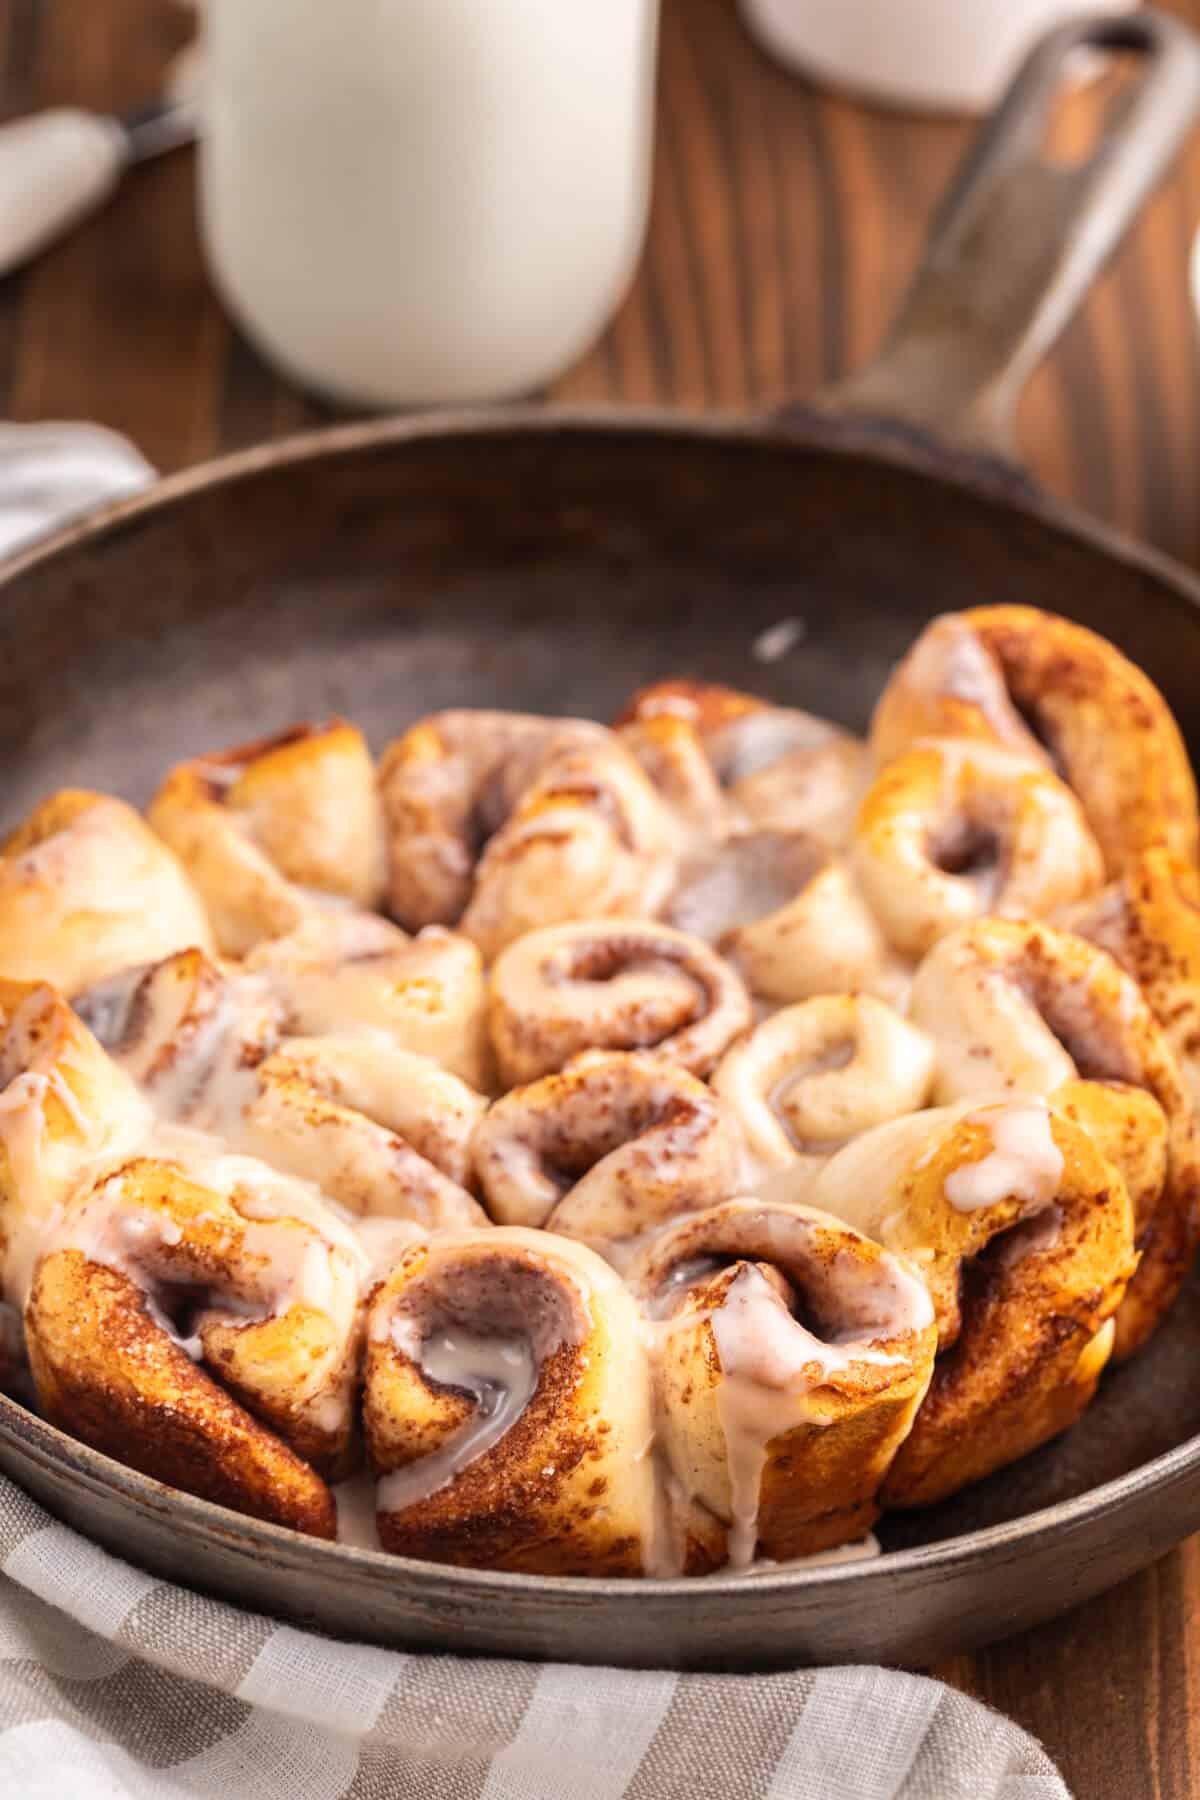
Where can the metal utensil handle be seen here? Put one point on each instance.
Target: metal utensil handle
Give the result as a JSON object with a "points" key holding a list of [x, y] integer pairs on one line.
{"points": [[1019, 240]]}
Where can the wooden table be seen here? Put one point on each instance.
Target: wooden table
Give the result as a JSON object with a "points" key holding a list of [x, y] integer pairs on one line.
{"points": [[784, 225]]}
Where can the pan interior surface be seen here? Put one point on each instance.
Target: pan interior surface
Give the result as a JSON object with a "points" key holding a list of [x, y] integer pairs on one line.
{"points": [[554, 569], [547, 569]]}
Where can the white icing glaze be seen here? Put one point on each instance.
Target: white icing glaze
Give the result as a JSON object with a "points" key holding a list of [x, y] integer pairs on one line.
{"points": [[1024, 1164], [766, 1363], [499, 1374]]}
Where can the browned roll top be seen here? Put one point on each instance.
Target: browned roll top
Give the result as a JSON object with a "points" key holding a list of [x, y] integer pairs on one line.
{"points": [[269, 829], [1058, 691], [606, 1150]]}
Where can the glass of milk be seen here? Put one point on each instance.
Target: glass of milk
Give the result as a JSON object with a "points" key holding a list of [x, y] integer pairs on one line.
{"points": [[416, 201]]}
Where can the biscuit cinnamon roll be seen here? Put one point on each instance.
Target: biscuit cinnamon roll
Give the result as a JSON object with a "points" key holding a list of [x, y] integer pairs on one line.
{"points": [[507, 1408], [63, 1106], [198, 1317], [1023, 1233], [791, 1355], [778, 769], [382, 1132], [501, 823], [342, 972], [1022, 1008], [271, 829], [1056, 691], [816, 1074], [1150, 921], [87, 888], [188, 1030], [826, 940], [606, 1150], [608, 984], [953, 829]]}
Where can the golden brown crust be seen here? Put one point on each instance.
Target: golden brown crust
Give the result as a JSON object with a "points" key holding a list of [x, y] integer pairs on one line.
{"points": [[1150, 921], [1027, 678], [1023, 1233], [1026, 1008], [262, 826], [107, 1374], [268, 1302], [566, 1489]]}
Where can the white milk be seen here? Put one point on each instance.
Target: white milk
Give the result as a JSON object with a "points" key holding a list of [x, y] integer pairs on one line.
{"points": [[413, 201]]}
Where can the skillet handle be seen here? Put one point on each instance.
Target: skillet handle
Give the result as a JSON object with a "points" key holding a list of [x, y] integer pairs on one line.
{"points": [[1019, 240]]}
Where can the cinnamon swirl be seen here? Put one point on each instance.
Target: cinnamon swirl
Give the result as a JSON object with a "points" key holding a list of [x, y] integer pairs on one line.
{"points": [[608, 1149], [1059, 693], [611, 985], [507, 1408], [199, 1317]]}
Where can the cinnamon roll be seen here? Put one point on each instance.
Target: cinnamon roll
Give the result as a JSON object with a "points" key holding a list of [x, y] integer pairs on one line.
{"points": [[507, 1408], [1150, 921], [198, 1317], [826, 940], [792, 919], [383, 1131], [1055, 691], [501, 823], [816, 1074], [610, 1148], [611, 985], [791, 1355], [1022, 1008], [63, 1106], [1023, 1233], [271, 829], [342, 972], [379, 1130], [779, 769], [954, 828], [87, 888], [188, 1030]]}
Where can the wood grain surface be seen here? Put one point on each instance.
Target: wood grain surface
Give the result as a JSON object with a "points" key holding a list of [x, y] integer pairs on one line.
{"points": [[784, 224]]}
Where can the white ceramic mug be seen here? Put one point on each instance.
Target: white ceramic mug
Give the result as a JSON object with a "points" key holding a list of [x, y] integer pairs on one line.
{"points": [[414, 201], [935, 55]]}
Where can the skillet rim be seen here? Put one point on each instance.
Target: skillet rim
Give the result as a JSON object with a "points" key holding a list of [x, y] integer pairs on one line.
{"points": [[796, 428]]}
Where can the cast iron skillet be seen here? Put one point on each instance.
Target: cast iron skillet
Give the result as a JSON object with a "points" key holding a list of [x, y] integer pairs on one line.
{"points": [[553, 562]]}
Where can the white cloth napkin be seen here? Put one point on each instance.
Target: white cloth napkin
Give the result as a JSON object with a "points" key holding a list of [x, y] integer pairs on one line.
{"points": [[50, 473], [115, 1684]]}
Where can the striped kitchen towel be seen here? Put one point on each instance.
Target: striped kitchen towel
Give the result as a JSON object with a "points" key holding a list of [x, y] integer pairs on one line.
{"points": [[114, 1683]]}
